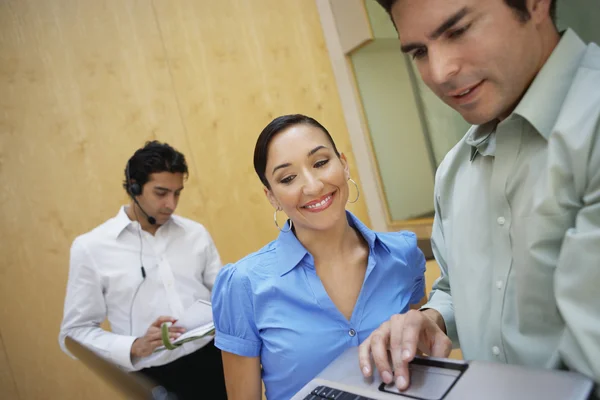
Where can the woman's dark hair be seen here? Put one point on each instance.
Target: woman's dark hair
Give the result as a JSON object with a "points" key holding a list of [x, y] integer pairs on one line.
{"points": [[154, 157], [519, 7], [280, 124]]}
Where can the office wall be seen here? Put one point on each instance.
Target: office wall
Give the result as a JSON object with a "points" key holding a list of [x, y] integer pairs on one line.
{"points": [[7, 383], [82, 85]]}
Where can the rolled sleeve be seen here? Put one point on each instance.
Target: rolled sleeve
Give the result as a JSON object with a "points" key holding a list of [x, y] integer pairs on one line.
{"points": [[236, 345], [416, 262], [441, 301], [233, 313]]}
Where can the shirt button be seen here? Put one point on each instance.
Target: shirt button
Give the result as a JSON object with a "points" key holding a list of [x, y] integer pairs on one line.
{"points": [[499, 284], [501, 220], [496, 350], [352, 332]]}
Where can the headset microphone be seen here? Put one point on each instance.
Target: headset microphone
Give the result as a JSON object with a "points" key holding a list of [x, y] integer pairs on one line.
{"points": [[151, 220]]}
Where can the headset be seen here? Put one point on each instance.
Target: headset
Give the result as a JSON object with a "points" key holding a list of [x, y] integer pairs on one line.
{"points": [[133, 190]]}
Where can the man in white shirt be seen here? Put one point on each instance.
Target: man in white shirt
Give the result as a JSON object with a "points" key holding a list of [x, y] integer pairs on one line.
{"points": [[141, 268], [517, 225]]}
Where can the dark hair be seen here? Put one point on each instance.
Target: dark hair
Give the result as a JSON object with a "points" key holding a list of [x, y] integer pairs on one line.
{"points": [[268, 133], [518, 6], [152, 158]]}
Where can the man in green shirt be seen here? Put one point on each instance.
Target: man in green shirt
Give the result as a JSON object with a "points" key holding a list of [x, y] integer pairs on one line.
{"points": [[517, 200]]}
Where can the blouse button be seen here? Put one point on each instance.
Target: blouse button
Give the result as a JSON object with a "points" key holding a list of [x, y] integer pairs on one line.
{"points": [[352, 332]]}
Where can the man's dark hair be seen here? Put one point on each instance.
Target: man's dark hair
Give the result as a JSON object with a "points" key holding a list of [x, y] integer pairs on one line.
{"points": [[518, 6], [154, 157], [268, 133]]}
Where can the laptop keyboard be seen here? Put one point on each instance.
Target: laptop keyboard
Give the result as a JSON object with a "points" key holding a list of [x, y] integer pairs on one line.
{"points": [[325, 392]]}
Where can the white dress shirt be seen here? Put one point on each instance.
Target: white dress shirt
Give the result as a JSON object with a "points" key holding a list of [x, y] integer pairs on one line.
{"points": [[517, 224], [181, 263]]}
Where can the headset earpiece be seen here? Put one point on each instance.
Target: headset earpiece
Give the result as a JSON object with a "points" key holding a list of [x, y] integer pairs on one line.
{"points": [[135, 189]]}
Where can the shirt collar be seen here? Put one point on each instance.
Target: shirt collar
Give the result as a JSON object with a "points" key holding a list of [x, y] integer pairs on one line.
{"points": [[121, 221], [543, 99], [290, 251], [482, 140]]}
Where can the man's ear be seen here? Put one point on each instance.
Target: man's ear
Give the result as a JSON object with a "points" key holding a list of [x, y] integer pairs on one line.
{"points": [[271, 198], [345, 164], [539, 10]]}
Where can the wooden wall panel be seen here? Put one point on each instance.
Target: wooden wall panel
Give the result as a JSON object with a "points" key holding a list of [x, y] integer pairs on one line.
{"points": [[8, 387], [85, 83], [237, 64]]}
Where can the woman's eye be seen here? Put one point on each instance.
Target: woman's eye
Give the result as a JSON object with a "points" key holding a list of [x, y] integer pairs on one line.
{"points": [[321, 163], [287, 179]]}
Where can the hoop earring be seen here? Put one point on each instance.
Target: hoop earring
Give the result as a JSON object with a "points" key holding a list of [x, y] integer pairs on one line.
{"points": [[357, 191], [277, 225]]}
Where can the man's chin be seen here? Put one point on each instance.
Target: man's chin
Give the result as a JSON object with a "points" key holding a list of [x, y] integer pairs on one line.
{"points": [[162, 219], [476, 116]]}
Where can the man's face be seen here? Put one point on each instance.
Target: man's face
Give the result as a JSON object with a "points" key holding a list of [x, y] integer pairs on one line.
{"points": [[476, 55], [160, 195]]}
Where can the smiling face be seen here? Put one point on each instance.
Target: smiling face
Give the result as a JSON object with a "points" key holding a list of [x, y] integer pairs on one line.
{"points": [[478, 56], [306, 178]]}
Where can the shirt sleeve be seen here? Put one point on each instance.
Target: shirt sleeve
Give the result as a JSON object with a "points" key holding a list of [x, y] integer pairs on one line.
{"points": [[440, 298], [233, 313], [85, 310], [213, 263], [416, 262], [577, 275]]}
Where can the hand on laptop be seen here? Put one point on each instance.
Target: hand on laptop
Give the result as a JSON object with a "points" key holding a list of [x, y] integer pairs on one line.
{"points": [[403, 335], [145, 345]]}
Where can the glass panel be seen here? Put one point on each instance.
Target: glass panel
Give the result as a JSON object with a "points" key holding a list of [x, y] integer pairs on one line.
{"points": [[582, 16], [392, 116]]}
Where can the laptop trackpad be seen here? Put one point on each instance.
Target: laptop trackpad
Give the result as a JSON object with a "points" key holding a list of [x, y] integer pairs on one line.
{"points": [[426, 382]]}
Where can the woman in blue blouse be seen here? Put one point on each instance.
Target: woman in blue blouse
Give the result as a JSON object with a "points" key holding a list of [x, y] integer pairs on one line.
{"points": [[323, 285]]}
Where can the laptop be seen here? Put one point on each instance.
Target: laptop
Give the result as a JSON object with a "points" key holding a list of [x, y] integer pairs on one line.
{"points": [[132, 386], [446, 379]]}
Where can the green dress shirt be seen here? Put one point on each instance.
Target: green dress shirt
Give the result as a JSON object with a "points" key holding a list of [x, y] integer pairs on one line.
{"points": [[517, 225]]}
